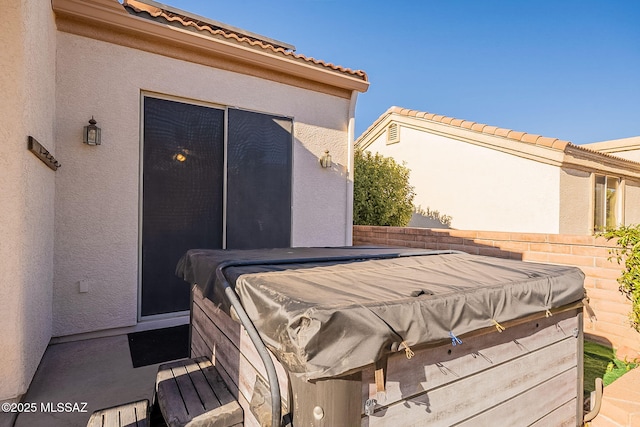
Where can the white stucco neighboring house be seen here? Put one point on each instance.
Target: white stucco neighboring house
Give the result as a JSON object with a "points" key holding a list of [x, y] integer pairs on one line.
{"points": [[196, 118], [489, 178]]}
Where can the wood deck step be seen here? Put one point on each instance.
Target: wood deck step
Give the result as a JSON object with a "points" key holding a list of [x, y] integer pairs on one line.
{"points": [[191, 393], [133, 414]]}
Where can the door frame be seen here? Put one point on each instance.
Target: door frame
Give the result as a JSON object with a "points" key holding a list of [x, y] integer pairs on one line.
{"points": [[151, 94]]}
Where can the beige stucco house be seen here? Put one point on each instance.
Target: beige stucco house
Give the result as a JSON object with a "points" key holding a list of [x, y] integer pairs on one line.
{"points": [[627, 148], [195, 118], [490, 178]]}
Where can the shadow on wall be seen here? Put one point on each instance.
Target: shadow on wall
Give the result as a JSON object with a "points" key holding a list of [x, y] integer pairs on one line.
{"points": [[427, 218]]}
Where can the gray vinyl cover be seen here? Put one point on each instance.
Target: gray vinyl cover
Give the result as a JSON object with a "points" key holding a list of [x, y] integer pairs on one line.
{"points": [[324, 319]]}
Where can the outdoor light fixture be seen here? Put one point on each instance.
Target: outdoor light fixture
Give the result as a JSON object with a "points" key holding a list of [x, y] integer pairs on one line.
{"points": [[91, 134], [325, 160]]}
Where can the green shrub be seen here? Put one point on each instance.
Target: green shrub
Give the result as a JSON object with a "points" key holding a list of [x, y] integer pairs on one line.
{"points": [[628, 250], [381, 191]]}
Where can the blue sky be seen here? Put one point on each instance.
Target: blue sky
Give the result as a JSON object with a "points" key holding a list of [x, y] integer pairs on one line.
{"points": [[560, 68]]}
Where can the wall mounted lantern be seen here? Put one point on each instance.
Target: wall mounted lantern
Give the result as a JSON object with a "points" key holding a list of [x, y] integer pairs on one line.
{"points": [[325, 160], [91, 134]]}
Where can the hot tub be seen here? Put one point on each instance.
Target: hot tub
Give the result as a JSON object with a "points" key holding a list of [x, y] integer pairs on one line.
{"points": [[390, 337]]}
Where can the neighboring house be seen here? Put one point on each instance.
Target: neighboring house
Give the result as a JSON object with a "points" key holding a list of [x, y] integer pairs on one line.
{"points": [[627, 148], [211, 137], [489, 178]]}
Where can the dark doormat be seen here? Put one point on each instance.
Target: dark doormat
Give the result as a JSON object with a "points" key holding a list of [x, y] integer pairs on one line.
{"points": [[159, 345]]}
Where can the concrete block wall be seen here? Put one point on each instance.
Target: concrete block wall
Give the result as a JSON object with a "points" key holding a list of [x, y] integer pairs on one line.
{"points": [[590, 254]]}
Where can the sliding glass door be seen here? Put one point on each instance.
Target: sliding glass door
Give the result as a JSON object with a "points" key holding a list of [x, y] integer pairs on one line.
{"points": [[183, 190]]}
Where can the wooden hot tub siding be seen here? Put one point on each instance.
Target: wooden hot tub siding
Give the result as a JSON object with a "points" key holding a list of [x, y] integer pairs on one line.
{"points": [[530, 374]]}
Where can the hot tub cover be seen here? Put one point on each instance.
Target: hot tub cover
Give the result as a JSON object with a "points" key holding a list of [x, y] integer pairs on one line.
{"points": [[324, 319]]}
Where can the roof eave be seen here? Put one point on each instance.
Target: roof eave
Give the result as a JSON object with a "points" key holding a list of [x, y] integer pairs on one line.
{"points": [[559, 153], [581, 158], [110, 13]]}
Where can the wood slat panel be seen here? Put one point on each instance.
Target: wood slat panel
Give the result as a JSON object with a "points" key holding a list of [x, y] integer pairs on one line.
{"points": [[128, 414], [339, 399], [231, 327], [196, 372], [240, 370], [234, 355], [451, 403], [191, 392], [518, 358], [437, 366], [229, 341], [214, 381], [204, 318], [527, 408], [564, 416], [198, 347], [250, 419], [190, 397], [171, 409], [234, 333]]}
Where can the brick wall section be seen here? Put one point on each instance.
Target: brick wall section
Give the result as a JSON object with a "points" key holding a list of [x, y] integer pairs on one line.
{"points": [[586, 252]]}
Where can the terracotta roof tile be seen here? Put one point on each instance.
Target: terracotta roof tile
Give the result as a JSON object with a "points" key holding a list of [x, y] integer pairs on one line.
{"points": [[491, 130], [560, 144], [531, 138], [171, 17], [546, 141], [590, 150], [502, 132], [528, 138], [516, 135], [478, 127]]}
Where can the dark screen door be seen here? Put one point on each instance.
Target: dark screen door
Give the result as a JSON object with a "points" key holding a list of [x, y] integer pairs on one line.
{"points": [[182, 193], [259, 167]]}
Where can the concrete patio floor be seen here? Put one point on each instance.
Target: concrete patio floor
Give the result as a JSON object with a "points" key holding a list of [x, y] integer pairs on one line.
{"points": [[97, 371]]}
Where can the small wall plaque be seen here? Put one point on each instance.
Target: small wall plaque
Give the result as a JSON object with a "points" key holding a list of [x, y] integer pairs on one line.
{"points": [[43, 154]]}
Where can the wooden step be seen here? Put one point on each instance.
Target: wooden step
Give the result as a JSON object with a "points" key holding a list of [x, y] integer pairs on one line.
{"points": [[191, 393], [133, 414]]}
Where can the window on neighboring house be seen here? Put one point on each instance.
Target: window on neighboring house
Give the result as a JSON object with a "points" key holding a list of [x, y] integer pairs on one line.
{"points": [[606, 202]]}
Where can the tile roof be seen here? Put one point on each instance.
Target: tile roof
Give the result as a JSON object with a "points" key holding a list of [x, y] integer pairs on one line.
{"points": [[157, 11], [527, 138]]}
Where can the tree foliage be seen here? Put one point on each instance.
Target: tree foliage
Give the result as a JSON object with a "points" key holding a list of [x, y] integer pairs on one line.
{"points": [[381, 191], [628, 250]]}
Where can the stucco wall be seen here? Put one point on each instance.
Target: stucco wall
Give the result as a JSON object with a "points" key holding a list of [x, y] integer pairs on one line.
{"points": [[633, 155], [480, 188], [576, 207], [98, 188], [631, 202], [27, 85]]}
